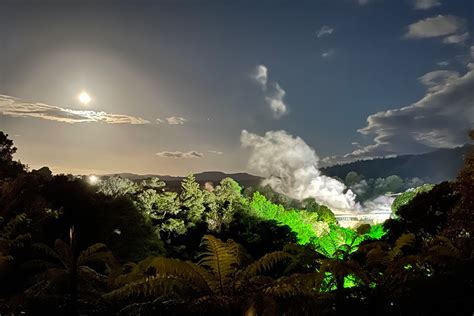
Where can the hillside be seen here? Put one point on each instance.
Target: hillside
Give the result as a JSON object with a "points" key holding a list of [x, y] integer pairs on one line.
{"points": [[436, 166], [244, 179]]}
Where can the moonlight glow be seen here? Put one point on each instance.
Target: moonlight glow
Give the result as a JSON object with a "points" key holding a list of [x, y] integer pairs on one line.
{"points": [[84, 98]]}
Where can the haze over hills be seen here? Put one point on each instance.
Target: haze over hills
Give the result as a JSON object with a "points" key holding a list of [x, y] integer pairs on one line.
{"points": [[436, 166]]}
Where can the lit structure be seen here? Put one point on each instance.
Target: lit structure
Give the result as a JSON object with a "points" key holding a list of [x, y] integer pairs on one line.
{"points": [[354, 220]]}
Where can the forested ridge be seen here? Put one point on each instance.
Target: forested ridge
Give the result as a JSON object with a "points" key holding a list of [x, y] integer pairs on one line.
{"points": [[69, 246]]}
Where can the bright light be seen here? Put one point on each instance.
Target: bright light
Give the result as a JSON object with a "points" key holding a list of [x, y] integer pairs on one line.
{"points": [[84, 98], [92, 179]]}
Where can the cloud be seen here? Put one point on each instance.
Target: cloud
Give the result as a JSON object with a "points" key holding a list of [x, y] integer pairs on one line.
{"points": [[443, 63], [176, 120], [327, 53], [436, 80], [172, 120], [324, 31], [274, 93], [12, 106], [180, 154], [290, 167], [456, 38], [215, 152], [262, 75], [425, 4], [437, 26], [441, 119], [276, 102]]}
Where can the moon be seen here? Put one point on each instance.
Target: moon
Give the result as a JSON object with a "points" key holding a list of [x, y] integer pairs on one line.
{"points": [[84, 98]]}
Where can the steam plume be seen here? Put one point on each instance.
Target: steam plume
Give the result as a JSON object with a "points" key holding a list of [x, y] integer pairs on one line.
{"points": [[290, 167]]}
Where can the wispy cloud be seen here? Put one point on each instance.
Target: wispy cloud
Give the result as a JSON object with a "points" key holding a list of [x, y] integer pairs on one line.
{"points": [[425, 4], [325, 30], [15, 107], [438, 79], [451, 27], [180, 154], [327, 53], [172, 120], [274, 93], [215, 152], [443, 63], [176, 120], [456, 38]]}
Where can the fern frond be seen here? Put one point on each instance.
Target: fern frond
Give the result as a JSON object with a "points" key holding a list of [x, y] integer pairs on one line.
{"points": [[443, 248], [183, 270], [48, 251], [376, 257], [38, 264], [87, 255], [64, 252], [20, 240], [211, 281], [265, 263], [404, 240], [89, 274], [11, 226], [220, 257], [148, 287], [296, 284]]}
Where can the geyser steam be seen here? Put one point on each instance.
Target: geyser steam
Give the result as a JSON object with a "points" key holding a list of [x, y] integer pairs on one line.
{"points": [[290, 167]]}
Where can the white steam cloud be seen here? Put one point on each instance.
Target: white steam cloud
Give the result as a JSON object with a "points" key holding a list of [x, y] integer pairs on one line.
{"points": [[290, 167], [274, 93]]}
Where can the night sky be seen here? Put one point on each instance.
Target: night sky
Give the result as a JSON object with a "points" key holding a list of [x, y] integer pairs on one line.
{"points": [[174, 83]]}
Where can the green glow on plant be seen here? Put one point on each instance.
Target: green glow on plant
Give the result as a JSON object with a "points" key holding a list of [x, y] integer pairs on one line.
{"points": [[408, 267], [334, 244]]}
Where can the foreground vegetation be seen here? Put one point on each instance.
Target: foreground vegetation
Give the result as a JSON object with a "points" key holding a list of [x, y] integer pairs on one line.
{"points": [[138, 248]]}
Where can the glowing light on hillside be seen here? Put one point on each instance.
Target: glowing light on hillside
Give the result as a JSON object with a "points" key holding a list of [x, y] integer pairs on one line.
{"points": [[92, 179]]}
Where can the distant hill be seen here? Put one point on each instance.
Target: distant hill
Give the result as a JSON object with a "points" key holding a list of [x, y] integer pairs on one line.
{"points": [[215, 177], [436, 166]]}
